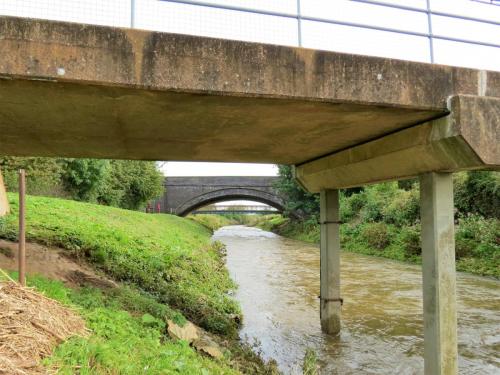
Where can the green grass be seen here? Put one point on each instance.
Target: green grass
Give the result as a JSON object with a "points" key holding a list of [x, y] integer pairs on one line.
{"points": [[213, 222], [167, 256], [128, 336]]}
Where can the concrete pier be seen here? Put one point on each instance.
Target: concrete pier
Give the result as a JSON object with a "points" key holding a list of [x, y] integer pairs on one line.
{"points": [[4, 203], [438, 266], [331, 304]]}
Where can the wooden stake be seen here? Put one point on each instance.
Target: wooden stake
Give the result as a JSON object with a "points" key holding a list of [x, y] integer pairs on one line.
{"points": [[22, 227]]}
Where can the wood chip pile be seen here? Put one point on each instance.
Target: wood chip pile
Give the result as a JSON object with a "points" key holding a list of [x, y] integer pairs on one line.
{"points": [[31, 325]]}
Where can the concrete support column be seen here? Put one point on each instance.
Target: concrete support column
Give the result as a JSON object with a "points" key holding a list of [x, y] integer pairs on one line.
{"points": [[330, 262], [4, 203], [438, 265]]}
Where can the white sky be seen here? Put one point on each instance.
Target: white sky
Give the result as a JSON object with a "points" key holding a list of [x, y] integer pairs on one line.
{"points": [[188, 19]]}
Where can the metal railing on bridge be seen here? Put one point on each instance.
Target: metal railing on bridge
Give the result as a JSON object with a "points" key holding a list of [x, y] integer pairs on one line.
{"points": [[236, 209], [305, 23]]}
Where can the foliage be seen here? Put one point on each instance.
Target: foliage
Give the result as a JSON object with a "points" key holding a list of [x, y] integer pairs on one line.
{"points": [[43, 175], [376, 235], [82, 178], [167, 256], [121, 183], [409, 238], [478, 192], [130, 184], [477, 237], [298, 202]]}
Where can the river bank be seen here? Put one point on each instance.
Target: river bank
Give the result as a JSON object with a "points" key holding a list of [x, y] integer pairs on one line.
{"points": [[477, 240], [164, 268]]}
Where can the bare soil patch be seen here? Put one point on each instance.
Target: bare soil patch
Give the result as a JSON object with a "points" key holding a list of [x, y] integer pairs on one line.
{"points": [[52, 263]]}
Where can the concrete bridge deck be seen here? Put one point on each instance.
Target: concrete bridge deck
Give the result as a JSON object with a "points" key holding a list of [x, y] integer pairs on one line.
{"points": [[105, 92]]}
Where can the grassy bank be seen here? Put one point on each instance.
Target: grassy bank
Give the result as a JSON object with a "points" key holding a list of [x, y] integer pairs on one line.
{"points": [[477, 240], [214, 222], [165, 255], [127, 335], [167, 268]]}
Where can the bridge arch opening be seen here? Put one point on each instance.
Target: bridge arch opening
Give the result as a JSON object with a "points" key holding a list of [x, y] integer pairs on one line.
{"points": [[226, 195], [237, 206]]}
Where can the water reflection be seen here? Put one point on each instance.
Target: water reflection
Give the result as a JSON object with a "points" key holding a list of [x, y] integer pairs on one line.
{"points": [[382, 331]]}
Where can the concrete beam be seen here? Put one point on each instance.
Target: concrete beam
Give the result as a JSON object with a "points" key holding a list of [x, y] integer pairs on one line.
{"points": [[4, 203], [438, 266], [135, 94], [467, 138], [330, 305]]}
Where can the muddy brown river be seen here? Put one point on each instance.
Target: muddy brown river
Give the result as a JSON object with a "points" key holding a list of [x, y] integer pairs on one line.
{"points": [[382, 332]]}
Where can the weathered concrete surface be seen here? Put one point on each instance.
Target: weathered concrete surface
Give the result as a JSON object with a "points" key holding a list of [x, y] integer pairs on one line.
{"points": [[94, 91], [4, 203], [438, 268], [186, 194], [330, 303], [468, 138]]}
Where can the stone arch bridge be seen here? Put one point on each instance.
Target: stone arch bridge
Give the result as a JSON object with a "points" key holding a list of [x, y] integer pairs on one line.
{"points": [[186, 194]]}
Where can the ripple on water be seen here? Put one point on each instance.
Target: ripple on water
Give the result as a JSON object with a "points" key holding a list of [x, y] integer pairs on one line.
{"points": [[382, 331]]}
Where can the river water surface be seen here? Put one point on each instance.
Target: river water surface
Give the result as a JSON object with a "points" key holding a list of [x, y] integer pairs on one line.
{"points": [[382, 332]]}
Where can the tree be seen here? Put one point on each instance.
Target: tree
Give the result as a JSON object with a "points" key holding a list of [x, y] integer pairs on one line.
{"points": [[131, 184], [298, 202], [121, 183], [83, 178]]}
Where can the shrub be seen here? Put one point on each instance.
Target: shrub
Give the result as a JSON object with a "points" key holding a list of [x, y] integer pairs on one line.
{"points": [[376, 235], [403, 208], [376, 198], [350, 206], [121, 183], [477, 236], [43, 175], [478, 192], [409, 237]]}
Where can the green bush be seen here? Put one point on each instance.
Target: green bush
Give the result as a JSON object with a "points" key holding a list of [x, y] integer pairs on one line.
{"points": [[409, 238], [377, 197], [478, 237], [43, 175], [121, 183], [350, 206], [478, 192], [298, 202], [376, 235], [403, 208]]}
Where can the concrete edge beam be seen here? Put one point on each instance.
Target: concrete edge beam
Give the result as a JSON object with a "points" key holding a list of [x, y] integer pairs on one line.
{"points": [[4, 202], [72, 52], [466, 139]]}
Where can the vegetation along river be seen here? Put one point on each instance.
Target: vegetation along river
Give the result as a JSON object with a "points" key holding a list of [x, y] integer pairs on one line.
{"points": [[382, 331]]}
